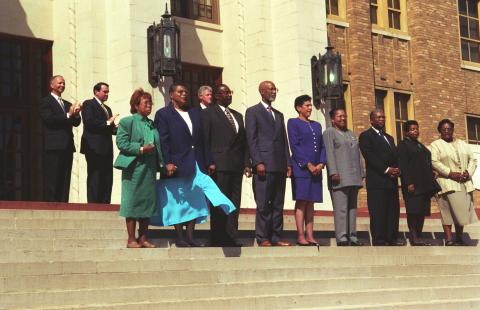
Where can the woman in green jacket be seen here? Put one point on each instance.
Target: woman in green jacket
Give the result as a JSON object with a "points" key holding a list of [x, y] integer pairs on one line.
{"points": [[140, 158]]}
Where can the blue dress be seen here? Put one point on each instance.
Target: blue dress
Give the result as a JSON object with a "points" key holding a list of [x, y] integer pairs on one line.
{"points": [[184, 199], [306, 145]]}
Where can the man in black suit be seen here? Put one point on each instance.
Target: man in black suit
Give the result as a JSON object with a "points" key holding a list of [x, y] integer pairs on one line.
{"points": [[381, 158], [98, 128], [59, 116], [268, 146], [225, 136]]}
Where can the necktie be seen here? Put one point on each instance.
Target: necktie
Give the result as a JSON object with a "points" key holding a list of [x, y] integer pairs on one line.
{"points": [[382, 134], [105, 110], [61, 103], [230, 119], [269, 109]]}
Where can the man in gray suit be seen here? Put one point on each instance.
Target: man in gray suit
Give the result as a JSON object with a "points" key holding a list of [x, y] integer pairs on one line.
{"points": [[268, 145], [345, 177]]}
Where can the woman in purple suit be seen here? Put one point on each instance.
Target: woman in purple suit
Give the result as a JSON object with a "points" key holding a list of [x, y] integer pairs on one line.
{"points": [[307, 160]]}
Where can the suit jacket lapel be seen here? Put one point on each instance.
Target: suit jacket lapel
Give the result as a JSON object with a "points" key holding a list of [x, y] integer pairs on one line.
{"points": [[221, 115], [57, 104], [266, 115], [179, 118]]}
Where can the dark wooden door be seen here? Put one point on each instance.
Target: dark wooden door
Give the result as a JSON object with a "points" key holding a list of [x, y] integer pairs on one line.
{"points": [[25, 67]]}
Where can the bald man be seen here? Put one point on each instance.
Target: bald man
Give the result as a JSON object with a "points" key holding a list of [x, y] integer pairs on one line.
{"points": [[268, 146]]}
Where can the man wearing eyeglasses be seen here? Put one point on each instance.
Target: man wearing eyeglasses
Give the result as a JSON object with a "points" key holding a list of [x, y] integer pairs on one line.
{"points": [[225, 135]]}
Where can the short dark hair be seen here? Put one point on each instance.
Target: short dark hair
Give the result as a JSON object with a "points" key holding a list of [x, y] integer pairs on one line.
{"points": [[53, 78], [334, 111], [174, 86], [373, 112], [98, 86], [407, 124], [443, 122], [136, 97], [300, 100]]}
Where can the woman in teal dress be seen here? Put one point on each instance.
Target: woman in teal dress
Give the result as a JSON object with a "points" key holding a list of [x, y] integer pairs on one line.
{"points": [[185, 187], [140, 158]]}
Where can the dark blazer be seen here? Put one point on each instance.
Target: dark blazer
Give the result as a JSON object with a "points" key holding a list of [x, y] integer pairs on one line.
{"points": [[179, 147], [378, 157], [97, 135], [229, 149], [415, 162], [58, 133], [267, 138]]}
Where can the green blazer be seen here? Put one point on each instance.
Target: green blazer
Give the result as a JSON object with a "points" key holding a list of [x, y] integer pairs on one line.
{"points": [[130, 137]]}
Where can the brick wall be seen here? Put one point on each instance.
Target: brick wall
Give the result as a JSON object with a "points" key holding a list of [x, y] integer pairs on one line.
{"points": [[428, 65]]}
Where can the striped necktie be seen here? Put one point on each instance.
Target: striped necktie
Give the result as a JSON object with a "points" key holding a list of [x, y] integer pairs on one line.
{"points": [[230, 119]]}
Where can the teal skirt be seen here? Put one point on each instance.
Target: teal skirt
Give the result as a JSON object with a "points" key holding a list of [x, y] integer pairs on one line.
{"points": [[181, 200]]}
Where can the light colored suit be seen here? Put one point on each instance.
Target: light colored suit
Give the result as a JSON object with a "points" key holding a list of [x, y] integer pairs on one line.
{"points": [[343, 159]]}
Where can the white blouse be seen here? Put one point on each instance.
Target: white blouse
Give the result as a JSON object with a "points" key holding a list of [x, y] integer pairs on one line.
{"points": [[186, 118]]}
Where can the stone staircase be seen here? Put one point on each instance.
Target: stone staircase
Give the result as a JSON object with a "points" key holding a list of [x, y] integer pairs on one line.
{"points": [[78, 260]]}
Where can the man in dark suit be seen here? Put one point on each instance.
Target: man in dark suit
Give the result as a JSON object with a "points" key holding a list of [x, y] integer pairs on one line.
{"points": [[59, 116], [381, 158], [225, 136], [98, 128], [268, 147]]}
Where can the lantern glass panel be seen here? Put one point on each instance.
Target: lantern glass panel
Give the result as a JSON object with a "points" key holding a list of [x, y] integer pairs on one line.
{"points": [[333, 74], [167, 46], [325, 74]]}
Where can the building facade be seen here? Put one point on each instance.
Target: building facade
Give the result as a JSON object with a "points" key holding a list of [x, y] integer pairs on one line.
{"points": [[240, 43], [414, 59]]}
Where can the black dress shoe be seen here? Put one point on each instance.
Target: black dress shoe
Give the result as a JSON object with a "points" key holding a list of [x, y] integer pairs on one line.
{"points": [[343, 243], [356, 243], [232, 244], [379, 243], [398, 242]]}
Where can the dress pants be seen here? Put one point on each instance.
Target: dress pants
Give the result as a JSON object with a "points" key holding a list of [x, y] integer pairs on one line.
{"points": [[269, 193], [224, 228], [384, 209], [345, 213], [57, 170], [99, 178]]}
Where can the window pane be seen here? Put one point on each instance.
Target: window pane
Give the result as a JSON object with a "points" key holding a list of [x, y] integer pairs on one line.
{"points": [[463, 27], [462, 7], [472, 8], [465, 54], [404, 107], [373, 14], [396, 20], [396, 4], [334, 7], [471, 129], [473, 23], [390, 3], [398, 128], [373, 1], [474, 52], [327, 6], [397, 109]]}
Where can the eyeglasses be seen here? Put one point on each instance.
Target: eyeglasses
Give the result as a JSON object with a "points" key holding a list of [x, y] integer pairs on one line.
{"points": [[227, 92]]}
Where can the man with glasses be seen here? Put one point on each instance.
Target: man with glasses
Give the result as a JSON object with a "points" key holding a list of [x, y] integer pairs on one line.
{"points": [[225, 135]]}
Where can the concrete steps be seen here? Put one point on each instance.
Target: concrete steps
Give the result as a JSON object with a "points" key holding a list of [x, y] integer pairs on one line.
{"points": [[78, 260]]}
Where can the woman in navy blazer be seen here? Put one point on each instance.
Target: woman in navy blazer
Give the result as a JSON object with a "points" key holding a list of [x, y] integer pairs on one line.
{"points": [[182, 191], [308, 159]]}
